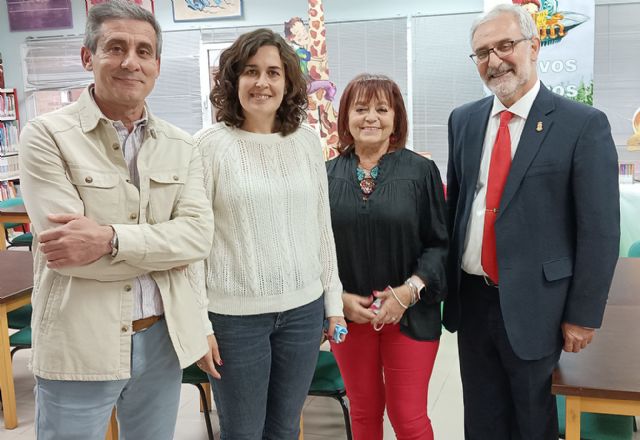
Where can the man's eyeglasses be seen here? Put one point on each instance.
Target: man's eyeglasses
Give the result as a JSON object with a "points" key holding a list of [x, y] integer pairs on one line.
{"points": [[502, 49]]}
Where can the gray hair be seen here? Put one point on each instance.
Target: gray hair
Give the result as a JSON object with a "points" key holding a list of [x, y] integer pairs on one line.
{"points": [[117, 10], [528, 27]]}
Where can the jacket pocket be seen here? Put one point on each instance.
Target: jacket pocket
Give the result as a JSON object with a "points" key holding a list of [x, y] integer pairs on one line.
{"points": [[98, 190], [544, 168], [164, 189], [52, 306], [557, 269]]}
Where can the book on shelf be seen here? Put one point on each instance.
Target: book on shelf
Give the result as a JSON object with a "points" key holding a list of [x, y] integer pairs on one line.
{"points": [[1, 73], [8, 137], [7, 190], [9, 168], [7, 105]]}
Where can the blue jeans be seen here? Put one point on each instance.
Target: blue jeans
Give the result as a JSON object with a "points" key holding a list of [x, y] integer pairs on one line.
{"points": [[147, 403], [268, 363]]}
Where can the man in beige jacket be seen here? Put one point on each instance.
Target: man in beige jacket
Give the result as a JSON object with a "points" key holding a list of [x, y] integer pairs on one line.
{"points": [[118, 206]]}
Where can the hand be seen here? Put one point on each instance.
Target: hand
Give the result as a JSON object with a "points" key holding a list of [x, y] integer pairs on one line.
{"points": [[391, 310], [208, 362], [576, 337], [79, 241], [356, 308], [333, 320]]}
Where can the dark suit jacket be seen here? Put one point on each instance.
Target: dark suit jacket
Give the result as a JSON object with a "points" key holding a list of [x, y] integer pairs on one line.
{"points": [[558, 228]]}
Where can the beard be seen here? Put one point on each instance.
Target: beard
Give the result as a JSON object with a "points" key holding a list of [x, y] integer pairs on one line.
{"points": [[506, 86]]}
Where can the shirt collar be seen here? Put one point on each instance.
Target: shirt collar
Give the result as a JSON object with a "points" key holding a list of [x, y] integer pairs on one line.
{"points": [[521, 107], [91, 115]]}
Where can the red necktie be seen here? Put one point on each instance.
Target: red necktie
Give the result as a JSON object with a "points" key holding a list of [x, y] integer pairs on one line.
{"points": [[498, 172]]}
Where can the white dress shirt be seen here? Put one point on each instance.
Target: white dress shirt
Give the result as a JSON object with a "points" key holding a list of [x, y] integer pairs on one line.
{"points": [[146, 295], [471, 257]]}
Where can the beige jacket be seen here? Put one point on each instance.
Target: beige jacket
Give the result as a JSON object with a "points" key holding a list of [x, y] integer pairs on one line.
{"points": [[70, 161]]}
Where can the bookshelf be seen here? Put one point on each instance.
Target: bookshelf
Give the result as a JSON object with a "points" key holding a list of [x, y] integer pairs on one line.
{"points": [[9, 130]]}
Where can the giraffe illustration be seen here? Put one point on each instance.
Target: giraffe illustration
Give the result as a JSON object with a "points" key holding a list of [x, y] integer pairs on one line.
{"points": [[310, 44]]}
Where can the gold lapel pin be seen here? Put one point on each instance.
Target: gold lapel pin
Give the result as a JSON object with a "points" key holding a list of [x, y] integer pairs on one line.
{"points": [[539, 126]]}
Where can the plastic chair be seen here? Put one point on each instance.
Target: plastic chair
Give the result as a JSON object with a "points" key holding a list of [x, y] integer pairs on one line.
{"points": [[327, 382], [195, 376], [20, 340], [634, 250], [20, 318], [598, 426], [23, 240]]}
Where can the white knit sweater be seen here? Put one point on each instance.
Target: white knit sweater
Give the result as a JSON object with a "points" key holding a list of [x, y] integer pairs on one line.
{"points": [[273, 247]]}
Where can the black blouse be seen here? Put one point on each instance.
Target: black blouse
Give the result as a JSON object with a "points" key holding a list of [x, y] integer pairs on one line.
{"points": [[399, 231]]}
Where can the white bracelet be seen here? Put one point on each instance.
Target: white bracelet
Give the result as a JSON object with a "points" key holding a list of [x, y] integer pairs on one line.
{"points": [[393, 292], [415, 292]]}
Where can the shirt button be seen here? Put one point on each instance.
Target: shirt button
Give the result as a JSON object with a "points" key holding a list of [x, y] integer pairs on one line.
{"points": [[175, 178], [127, 288], [116, 146], [88, 179], [124, 328], [133, 216]]}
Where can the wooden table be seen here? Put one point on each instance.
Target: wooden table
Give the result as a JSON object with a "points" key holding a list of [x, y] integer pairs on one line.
{"points": [[605, 377], [12, 214], [16, 269]]}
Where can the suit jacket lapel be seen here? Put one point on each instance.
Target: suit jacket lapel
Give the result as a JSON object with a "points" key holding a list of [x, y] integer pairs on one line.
{"points": [[472, 152], [529, 144]]}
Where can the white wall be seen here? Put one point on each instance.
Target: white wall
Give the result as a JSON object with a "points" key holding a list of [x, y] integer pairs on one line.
{"points": [[255, 12]]}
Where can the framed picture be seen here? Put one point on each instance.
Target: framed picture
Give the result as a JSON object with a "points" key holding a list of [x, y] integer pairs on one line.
{"points": [[146, 4], [196, 10], [37, 15]]}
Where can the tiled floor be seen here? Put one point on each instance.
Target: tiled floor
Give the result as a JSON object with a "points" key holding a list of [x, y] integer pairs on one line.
{"points": [[322, 416]]}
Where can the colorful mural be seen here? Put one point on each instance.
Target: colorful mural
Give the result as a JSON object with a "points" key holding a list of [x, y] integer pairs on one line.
{"points": [[310, 45], [633, 144]]}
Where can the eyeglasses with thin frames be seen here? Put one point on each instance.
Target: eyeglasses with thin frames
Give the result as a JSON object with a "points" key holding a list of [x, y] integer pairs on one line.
{"points": [[501, 50]]}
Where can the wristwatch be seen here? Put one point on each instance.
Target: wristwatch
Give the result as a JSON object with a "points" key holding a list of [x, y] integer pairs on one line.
{"points": [[114, 243]]}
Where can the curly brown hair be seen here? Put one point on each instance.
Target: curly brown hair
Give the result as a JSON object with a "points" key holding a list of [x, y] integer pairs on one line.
{"points": [[366, 87], [224, 96]]}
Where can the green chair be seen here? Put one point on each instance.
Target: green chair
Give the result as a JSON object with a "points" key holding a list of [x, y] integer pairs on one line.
{"points": [[23, 240], [190, 375], [598, 426], [20, 318], [195, 376], [327, 382], [634, 250], [20, 340]]}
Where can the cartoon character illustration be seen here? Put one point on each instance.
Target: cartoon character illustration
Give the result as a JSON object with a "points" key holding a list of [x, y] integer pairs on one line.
{"points": [[201, 5], [97, 2], [532, 6], [552, 23], [309, 44], [197, 5], [296, 32], [633, 144]]}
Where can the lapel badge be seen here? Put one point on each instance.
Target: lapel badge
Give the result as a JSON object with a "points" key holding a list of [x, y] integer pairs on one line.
{"points": [[539, 126]]}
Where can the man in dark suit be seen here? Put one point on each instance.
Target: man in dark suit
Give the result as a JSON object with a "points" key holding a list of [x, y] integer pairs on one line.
{"points": [[534, 222]]}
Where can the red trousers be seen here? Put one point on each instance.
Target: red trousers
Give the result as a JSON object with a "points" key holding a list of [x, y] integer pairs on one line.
{"points": [[386, 368]]}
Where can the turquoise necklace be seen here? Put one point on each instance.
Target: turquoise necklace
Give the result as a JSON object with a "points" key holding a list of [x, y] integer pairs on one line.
{"points": [[367, 180]]}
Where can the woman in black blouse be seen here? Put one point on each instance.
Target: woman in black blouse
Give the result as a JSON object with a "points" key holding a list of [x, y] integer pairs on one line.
{"points": [[388, 215]]}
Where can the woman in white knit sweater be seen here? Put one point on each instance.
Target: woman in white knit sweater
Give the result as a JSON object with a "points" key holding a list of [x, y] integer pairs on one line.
{"points": [[272, 275]]}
